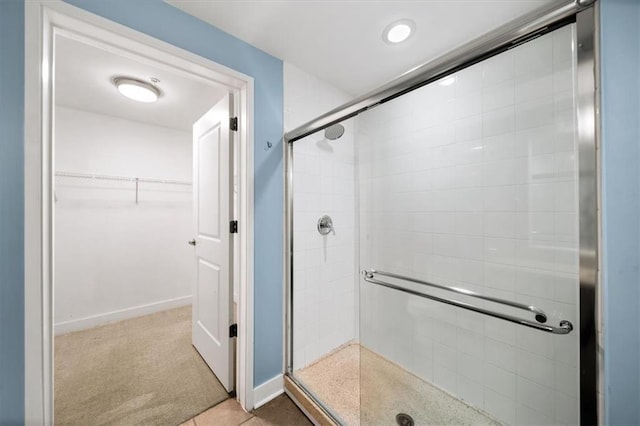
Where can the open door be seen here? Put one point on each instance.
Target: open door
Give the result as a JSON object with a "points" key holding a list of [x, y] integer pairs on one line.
{"points": [[212, 192]]}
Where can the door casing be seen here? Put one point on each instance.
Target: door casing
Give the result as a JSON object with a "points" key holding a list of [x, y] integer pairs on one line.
{"points": [[44, 20]]}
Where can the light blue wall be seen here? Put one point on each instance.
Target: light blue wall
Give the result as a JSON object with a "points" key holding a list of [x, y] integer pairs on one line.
{"points": [[620, 50], [11, 212], [160, 20]]}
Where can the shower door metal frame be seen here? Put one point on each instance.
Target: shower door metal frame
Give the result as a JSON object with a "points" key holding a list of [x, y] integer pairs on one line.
{"points": [[585, 15], [588, 119]]}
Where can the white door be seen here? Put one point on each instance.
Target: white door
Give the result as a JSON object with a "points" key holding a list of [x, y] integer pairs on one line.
{"points": [[213, 292]]}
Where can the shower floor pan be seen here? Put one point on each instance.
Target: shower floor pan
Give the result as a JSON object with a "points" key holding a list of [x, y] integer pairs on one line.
{"points": [[384, 391]]}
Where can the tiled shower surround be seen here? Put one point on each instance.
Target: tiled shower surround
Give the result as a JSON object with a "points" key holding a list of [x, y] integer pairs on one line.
{"points": [[472, 181], [325, 308]]}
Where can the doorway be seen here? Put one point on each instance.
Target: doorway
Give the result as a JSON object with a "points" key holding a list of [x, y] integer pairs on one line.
{"points": [[137, 310], [104, 190]]}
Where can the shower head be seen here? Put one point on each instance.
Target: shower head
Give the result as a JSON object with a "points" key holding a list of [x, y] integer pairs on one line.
{"points": [[334, 132]]}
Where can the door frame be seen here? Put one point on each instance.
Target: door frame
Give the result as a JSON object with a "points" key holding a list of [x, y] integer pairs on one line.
{"points": [[43, 20]]}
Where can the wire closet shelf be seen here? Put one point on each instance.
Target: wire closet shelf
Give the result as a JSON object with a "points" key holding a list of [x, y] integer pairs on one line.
{"points": [[118, 178]]}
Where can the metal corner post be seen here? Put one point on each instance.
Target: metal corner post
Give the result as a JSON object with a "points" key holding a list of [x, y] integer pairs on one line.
{"points": [[587, 121], [288, 253]]}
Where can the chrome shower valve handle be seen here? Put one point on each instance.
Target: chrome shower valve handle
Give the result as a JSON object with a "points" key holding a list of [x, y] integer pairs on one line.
{"points": [[325, 225]]}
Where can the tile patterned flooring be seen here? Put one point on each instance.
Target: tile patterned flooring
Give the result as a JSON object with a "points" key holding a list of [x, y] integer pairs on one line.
{"points": [[279, 412]]}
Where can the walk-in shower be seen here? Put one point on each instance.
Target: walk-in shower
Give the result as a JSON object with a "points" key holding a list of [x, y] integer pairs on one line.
{"points": [[442, 252]]}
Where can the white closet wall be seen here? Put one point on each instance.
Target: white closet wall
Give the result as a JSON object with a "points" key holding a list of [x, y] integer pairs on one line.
{"points": [[114, 258]]}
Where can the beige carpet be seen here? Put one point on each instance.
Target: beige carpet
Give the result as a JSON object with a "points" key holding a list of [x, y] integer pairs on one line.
{"points": [[142, 371], [386, 389]]}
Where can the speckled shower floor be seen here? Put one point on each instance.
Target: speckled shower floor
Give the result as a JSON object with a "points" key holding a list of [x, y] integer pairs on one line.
{"points": [[385, 390]]}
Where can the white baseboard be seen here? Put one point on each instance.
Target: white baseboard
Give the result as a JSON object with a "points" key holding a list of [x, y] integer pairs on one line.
{"points": [[267, 391], [115, 316]]}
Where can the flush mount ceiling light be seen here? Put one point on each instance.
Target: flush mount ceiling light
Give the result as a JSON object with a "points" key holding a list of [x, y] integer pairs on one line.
{"points": [[398, 31], [137, 90]]}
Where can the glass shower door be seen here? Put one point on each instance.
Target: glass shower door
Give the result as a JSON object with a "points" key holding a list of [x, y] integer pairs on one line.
{"points": [[324, 296], [471, 182]]}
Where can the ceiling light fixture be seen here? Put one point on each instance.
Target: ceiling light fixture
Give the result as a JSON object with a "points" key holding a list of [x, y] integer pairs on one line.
{"points": [[137, 90], [398, 31]]}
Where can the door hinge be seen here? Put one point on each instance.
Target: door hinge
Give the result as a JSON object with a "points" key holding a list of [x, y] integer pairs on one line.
{"points": [[233, 123], [233, 330], [233, 227]]}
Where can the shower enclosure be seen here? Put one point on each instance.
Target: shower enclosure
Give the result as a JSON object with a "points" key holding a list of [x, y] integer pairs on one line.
{"points": [[443, 242]]}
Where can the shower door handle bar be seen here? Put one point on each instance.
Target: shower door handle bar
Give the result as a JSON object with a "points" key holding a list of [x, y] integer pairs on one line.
{"points": [[540, 315], [565, 326]]}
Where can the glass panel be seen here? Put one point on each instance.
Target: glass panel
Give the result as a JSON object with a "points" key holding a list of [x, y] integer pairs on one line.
{"points": [[325, 353], [472, 182]]}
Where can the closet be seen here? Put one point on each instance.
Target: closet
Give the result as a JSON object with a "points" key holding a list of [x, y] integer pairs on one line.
{"points": [[122, 218]]}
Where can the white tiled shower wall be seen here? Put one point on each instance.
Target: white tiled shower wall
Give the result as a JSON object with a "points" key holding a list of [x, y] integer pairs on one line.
{"points": [[473, 181], [324, 183]]}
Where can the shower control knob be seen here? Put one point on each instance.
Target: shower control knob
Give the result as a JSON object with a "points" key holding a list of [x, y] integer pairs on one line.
{"points": [[325, 225]]}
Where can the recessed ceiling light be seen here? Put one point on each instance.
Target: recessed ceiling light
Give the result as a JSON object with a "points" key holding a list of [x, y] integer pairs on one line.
{"points": [[137, 90], [398, 31]]}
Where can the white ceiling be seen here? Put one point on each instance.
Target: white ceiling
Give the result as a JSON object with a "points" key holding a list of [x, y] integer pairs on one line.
{"points": [[84, 80], [341, 41]]}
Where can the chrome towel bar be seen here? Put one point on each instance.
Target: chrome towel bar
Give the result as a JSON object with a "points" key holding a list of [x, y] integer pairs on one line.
{"points": [[540, 315], [565, 326]]}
